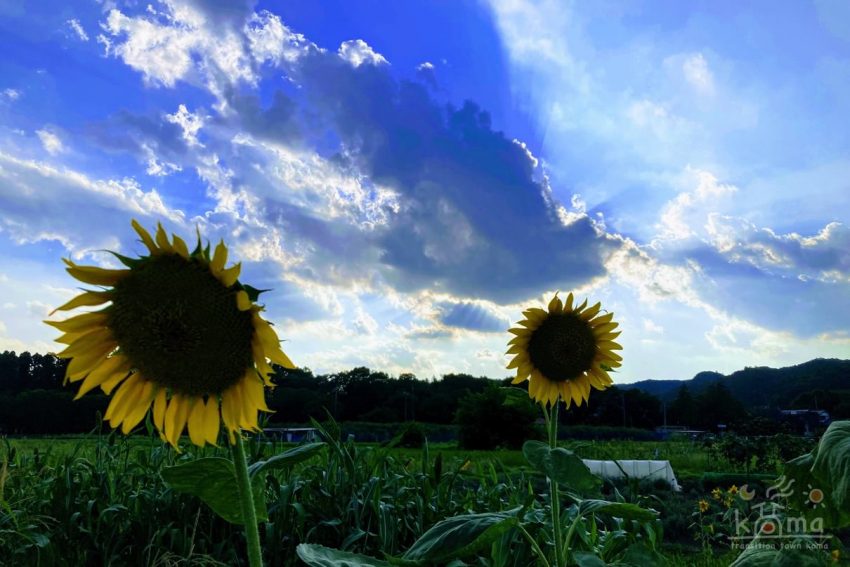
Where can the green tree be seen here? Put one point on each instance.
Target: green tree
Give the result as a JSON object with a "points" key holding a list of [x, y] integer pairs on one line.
{"points": [[486, 422], [683, 409]]}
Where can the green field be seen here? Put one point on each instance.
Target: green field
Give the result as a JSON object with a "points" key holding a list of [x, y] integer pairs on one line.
{"points": [[100, 500]]}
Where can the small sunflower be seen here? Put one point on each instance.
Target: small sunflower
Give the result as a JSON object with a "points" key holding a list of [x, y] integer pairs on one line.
{"points": [[703, 506], [179, 334], [564, 351]]}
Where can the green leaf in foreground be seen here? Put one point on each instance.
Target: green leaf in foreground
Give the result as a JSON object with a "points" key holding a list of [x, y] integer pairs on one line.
{"points": [[460, 536], [321, 556], [617, 509], [562, 465], [213, 480], [288, 458], [832, 465]]}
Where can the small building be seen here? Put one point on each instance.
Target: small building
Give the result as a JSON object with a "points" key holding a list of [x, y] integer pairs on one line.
{"points": [[291, 434]]}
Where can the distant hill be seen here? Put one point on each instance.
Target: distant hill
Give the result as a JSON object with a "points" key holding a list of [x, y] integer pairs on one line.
{"points": [[762, 386]]}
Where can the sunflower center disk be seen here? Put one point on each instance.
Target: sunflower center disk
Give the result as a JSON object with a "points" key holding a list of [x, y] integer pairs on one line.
{"points": [[180, 327], [562, 347]]}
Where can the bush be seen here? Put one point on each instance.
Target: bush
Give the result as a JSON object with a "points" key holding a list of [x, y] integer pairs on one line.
{"points": [[411, 436], [485, 421]]}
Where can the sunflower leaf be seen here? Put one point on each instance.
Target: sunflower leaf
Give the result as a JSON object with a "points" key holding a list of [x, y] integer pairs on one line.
{"points": [[320, 556], [253, 293], [127, 261], [561, 465], [287, 458], [623, 510], [213, 480], [460, 536]]}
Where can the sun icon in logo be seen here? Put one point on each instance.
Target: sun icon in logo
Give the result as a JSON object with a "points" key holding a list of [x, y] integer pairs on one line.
{"points": [[816, 496]]}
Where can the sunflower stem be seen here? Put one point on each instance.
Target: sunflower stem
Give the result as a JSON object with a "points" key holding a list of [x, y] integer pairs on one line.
{"points": [[246, 498], [554, 497]]}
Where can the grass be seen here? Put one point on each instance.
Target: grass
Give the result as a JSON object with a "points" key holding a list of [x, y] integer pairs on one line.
{"points": [[100, 500]]}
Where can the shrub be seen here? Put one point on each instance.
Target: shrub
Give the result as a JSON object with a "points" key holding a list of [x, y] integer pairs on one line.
{"points": [[485, 421]]}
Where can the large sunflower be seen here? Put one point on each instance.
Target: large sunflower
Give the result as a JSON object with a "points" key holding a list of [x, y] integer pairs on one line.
{"points": [[180, 334], [564, 351]]}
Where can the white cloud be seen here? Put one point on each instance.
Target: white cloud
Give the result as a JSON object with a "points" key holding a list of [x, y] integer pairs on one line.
{"points": [[77, 28], [651, 326], [163, 46], [38, 309], [357, 52], [157, 167], [270, 40], [190, 123], [10, 94], [824, 256], [687, 213], [50, 141], [696, 72], [41, 202]]}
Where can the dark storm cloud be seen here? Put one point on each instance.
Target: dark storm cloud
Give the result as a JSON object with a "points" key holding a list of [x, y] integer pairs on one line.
{"points": [[474, 220], [125, 131]]}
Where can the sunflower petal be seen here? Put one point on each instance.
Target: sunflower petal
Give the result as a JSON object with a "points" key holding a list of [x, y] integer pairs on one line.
{"points": [[230, 275], [604, 328], [109, 384], [556, 305], [86, 343], [243, 302], [145, 236], [117, 407], [602, 319], [162, 239], [568, 304], [591, 312], [101, 374], [519, 379], [80, 323], [219, 259], [230, 411], [176, 417], [255, 392], [160, 403], [85, 299], [263, 368], [271, 345], [94, 275], [212, 421], [141, 405], [518, 341], [519, 332], [180, 246], [85, 363], [566, 393], [196, 424], [608, 336]]}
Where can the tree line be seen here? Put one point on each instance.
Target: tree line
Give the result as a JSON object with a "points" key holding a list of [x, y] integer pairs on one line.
{"points": [[33, 399]]}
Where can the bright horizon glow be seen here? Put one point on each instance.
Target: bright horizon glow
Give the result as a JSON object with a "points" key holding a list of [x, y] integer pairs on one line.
{"points": [[407, 190]]}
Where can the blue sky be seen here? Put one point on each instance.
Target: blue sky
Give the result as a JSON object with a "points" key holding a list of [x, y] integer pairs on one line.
{"points": [[408, 176]]}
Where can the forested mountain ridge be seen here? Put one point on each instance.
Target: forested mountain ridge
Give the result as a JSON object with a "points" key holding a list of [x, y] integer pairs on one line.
{"points": [[760, 387]]}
